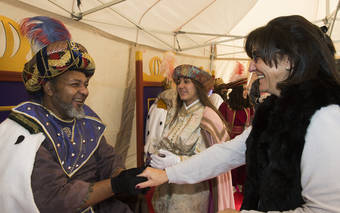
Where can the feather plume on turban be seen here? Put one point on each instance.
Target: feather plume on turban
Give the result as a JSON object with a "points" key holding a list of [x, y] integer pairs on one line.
{"points": [[56, 53]]}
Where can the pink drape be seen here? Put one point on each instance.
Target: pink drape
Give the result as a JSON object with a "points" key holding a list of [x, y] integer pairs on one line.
{"points": [[215, 132]]}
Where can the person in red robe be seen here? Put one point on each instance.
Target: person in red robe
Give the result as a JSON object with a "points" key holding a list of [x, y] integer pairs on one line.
{"points": [[238, 112]]}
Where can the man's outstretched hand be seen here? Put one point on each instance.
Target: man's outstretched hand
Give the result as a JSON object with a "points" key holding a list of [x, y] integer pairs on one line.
{"points": [[154, 177], [127, 180]]}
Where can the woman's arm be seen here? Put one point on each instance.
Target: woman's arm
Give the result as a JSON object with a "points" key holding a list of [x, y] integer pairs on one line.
{"points": [[215, 160], [320, 167]]}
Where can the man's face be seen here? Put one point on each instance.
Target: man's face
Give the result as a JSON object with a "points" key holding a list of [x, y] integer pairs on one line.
{"points": [[69, 94]]}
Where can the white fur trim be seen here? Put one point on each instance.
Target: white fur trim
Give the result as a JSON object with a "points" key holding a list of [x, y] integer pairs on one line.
{"points": [[16, 164]]}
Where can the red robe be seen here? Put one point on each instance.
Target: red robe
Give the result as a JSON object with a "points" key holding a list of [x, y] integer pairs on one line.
{"points": [[238, 121]]}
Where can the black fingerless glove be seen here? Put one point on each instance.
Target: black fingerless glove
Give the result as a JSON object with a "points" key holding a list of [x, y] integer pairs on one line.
{"points": [[126, 182]]}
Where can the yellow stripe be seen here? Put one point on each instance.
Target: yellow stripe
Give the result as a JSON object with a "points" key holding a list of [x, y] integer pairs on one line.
{"points": [[139, 56], [6, 108]]}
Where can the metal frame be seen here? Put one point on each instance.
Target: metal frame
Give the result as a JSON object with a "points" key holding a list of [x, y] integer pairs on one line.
{"points": [[176, 46]]}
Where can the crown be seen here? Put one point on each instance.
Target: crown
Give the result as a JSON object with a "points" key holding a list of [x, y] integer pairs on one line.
{"points": [[156, 75], [13, 54]]}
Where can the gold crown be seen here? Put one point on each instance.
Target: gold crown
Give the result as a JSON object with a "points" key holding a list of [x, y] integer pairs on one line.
{"points": [[156, 75], [14, 54]]}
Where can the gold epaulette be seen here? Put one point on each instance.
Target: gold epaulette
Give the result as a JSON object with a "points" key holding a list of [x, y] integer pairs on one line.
{"points": [[161, 104], [28, 123]]}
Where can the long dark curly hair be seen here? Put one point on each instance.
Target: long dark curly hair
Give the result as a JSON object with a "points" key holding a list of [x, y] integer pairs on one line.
{"points": [[236, 100]]}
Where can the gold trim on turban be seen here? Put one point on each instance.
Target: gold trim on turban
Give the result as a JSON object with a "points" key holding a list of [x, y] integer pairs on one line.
{"points": [[55, 59]]}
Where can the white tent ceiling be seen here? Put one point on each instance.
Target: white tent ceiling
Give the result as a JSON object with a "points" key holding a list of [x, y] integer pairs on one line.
{"points": [[192, 26]]}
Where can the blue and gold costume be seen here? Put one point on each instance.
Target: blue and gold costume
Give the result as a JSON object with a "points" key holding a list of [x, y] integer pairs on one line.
{"points": [[49, 165]]}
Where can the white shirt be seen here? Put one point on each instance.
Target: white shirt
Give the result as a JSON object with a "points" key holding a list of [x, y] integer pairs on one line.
{"points": [[320, 163], [216, 100], [190, 105]]}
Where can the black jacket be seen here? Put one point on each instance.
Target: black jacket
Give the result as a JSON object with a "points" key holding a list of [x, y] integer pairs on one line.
{"points": [[276, 142]]}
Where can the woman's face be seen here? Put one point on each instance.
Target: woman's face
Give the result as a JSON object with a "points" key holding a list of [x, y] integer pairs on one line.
{"points": [[186, 90], [270, 76]]}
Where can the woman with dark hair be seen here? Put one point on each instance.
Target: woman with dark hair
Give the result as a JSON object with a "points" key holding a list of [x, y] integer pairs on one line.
{"points": [[190, 124], [291, 151]]}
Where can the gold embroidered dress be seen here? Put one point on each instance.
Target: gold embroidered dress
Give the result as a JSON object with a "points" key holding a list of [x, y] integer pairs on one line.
{"points": [[182, 137]]}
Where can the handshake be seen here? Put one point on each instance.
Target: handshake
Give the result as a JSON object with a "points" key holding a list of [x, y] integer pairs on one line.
{"points": [[127, 180]]}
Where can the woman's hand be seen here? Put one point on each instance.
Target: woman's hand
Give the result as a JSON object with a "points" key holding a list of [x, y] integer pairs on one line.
{"points": [[155, 177], [164, 159], [229, 211]]}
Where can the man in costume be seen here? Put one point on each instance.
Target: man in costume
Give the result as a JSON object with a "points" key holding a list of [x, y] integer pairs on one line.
{"points": [[53, 155], [238, 112]]}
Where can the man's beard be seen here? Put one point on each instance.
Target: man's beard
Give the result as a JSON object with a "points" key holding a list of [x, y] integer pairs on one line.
{"points": [[68, 109], [72, 112]]}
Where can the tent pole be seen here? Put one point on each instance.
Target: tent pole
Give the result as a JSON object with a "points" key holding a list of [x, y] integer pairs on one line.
{"points": [[103, 6], [334, 18], [229, 53], [209, 34], [139, 108], [141, 28], [53, 2], [212, 58], [208, 44]]}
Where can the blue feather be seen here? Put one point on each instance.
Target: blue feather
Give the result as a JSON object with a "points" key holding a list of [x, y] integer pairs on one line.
{"points": [[43, 30]]}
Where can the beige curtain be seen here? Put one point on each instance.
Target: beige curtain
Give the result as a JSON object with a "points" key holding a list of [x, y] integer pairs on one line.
{"points": [[124, 137]]}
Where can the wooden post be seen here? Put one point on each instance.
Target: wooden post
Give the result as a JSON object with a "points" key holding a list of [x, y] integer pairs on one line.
{"points": [[139, 108], [10, 76]]}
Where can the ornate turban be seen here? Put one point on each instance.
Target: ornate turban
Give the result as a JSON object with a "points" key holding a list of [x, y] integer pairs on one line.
{"points": [[55, 53], [55, 59], [195, 73]]}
